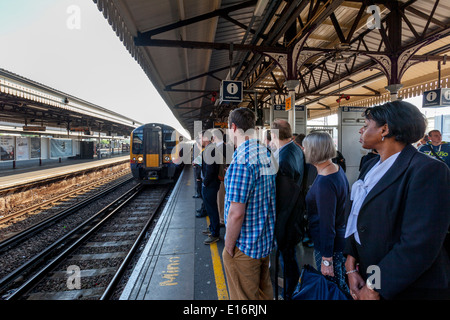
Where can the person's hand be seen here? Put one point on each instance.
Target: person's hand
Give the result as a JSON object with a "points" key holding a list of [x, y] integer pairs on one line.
{"points": [[230, 250], [355, 284], [327, 271], [367, 294]]}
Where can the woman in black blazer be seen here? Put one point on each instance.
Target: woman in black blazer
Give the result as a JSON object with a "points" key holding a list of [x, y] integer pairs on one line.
{"points": [[400, 212]]}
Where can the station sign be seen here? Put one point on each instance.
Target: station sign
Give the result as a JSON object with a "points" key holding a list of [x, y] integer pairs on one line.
{"points": [[436, 98], [353, 109], [288, 103], [221, 124], [33, 128], [231, 91], [282, 107]]}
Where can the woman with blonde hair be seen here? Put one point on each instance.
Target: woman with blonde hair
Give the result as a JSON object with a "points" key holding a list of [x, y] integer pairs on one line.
{"points": [[326, 202]]}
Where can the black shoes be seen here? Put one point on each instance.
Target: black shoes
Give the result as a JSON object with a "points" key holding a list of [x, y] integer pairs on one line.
{"points": [[211, 239], [200, 214]]}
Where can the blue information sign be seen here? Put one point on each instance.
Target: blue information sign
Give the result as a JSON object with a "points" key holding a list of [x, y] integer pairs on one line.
{"points": [[231, 91], [353, 109], [445, 94], [436, 98]]}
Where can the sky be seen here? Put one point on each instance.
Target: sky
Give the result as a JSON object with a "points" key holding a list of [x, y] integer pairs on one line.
{"points": [[68, 45]]}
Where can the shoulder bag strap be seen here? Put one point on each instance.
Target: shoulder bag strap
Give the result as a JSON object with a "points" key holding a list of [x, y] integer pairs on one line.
{"points": [[435, 154]]}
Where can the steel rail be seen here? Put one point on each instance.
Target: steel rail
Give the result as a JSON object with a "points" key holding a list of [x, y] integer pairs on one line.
{"points": [[58, 198], [122, 268], [51, 250], [30, 231]]}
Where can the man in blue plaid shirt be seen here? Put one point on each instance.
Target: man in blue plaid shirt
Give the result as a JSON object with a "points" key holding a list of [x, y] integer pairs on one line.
{"points": [[249, 212]]}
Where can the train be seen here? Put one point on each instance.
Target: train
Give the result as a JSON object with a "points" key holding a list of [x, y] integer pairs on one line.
{"points": [[154, 153]]}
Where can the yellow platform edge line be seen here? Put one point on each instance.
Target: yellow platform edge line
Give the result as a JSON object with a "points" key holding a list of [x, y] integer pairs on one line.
{"points": [[222, 291]]}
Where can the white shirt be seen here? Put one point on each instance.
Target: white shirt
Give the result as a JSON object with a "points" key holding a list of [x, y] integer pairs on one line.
{"points": [[361, 189]]}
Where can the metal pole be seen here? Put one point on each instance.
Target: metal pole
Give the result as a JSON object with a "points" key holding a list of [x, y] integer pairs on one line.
{"points": [[256, 106], [271, 113], [439, 74]]}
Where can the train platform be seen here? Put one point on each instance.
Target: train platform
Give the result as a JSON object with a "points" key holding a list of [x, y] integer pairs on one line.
{"points": [[13, 178], [175, 263]]}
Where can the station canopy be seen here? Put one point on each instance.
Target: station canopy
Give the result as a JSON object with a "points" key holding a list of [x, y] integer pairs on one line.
{"points": [[38, 108], [356, 52]]}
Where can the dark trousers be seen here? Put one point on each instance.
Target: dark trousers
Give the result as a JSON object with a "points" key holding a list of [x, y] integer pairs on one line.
{"points": [[291, 270], [209, 195], [198, 180]]}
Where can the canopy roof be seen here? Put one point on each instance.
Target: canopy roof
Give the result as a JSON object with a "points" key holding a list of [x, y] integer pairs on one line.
{"points": [[353, 48]]}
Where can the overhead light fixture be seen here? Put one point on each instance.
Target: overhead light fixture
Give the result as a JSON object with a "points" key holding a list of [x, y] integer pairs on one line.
{"points": [[260, 7], [343, 46], [340, 59]]}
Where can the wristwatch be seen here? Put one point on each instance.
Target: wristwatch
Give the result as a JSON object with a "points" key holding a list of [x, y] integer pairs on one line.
{"points": [[327, 263]]}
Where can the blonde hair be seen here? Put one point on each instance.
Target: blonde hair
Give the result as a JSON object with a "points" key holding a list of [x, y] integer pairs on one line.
{"points": [[319, 147]]}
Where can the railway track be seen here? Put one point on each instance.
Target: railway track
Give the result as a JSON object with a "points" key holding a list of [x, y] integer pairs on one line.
{"points": [[88, 262], [61, 201], [20, 252]]}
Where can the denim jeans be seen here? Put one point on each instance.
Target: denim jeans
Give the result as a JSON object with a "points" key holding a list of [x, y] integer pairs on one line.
{"points": [[339, 268]]}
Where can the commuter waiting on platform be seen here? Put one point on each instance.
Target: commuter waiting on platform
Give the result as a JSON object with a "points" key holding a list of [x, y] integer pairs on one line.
{"points": [[326, 202], [436, 148], [223, 151], [197, 165], [423, 141], [210, 188], [393, 232], [364, 159], [289, 187], [299, 139], [249, 212]]}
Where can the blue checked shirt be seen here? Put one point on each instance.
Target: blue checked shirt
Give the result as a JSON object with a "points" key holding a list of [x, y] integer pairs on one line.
{"points": [[250, 179]]}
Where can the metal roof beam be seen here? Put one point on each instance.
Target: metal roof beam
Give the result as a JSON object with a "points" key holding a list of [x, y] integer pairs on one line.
{"points": [[288, 17], [190, 100], [206, 16], [241, 25], [372, 77], [337, 28], [425, 16], [141, 40], [209, 73], [430, 56]]}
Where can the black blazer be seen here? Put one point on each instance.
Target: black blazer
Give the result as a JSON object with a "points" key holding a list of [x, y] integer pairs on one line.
{"points": [[210, 171], [402, 225], [290, 198], [291, 162]]}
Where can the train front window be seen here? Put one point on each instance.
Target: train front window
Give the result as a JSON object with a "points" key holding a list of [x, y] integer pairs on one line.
{"points": [[138, 145], [152, 142], [169, 141], [168, 147]]}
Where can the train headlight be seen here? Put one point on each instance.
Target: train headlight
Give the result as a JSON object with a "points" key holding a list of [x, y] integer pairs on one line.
{"points": [[166, 158], [140, 159]]}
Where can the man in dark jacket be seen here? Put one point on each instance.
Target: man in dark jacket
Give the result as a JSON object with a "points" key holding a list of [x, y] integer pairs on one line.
{"points": [[290, 202], [210, 187]]}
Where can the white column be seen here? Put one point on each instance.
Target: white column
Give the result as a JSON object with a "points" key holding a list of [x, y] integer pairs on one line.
{"points": [[394, 89], [291, 85]]}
